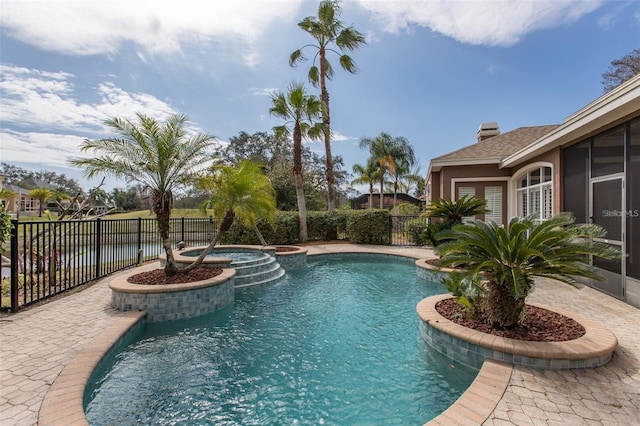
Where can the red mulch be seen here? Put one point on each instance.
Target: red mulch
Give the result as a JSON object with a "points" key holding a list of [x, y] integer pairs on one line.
{"points": [[539, 325], [157, 276], [282, 249]]}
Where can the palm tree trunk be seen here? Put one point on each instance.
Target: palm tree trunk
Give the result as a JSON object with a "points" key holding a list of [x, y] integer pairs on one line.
{"points": [[259, 234], [371, 195], [326, 120], [503, 310], [224, 227], [297, 177], [302, 209], [162, 209], [382, 193]]}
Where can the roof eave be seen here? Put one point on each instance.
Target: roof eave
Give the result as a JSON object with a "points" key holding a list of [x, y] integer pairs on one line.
{"points": [[612, 106]]}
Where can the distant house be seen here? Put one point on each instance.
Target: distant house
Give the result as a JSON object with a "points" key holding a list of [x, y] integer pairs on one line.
{"points": [[22, 202], [589, 165], [362, 202]]}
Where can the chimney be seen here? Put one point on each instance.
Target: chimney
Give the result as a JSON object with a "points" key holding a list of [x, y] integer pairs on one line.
{"points": [[488, 130]]}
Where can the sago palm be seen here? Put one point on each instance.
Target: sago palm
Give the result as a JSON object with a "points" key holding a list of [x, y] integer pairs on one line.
{"points": [[301, 111], [327, 29], [453, 211], [242, 192], [508, 259], [159, 155]]}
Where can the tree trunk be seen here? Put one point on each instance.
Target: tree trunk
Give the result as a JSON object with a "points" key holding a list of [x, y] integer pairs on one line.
{"points": [[225, 224], [259, 234], [326, 120], [382, 193], [297, 177], [302, 210], [162, 208], [370, 195], [503, 310]]}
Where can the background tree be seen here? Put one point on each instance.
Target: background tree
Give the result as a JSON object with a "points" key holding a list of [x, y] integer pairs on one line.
{"points": [[394, 156], [158, 155], [42, 195], [327, 29], [368, 174], [237, 192], [621, 70], [301, 111], [127, 199]]}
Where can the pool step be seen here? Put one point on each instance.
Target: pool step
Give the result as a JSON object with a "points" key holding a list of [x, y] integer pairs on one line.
{"points": [[255, 272]]}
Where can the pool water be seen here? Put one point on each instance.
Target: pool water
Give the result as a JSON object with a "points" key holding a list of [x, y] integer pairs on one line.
{"points": [[334, 344]]}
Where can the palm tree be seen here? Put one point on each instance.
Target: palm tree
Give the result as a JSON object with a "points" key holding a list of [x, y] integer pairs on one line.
{"points": [[403, 158], [386, 151], [159, 156], [42, 195], [241, 192], [367, 175], [302, 111], [509, 259], [327, 29]]}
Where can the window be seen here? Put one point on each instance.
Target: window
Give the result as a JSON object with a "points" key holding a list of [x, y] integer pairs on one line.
{"points": [[493, 195], [535, 193], [469, 191]]}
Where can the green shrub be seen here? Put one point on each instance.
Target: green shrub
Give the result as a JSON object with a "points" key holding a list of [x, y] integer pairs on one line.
{"points": [[368, 227], [468, 291], [430, 233], [405, 209]]}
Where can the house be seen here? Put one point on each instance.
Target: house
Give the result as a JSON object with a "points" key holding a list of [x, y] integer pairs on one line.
{"points": [[21, 202], [588, 165], [362, 202]]}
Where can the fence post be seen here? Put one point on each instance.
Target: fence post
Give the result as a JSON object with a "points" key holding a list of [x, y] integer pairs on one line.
{"points": [[390, 230], [98, 246], [140, 252], [14, 265], [182, 230]]}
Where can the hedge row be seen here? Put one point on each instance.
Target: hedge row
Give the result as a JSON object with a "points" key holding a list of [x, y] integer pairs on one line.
{"points": [[360, 226]]}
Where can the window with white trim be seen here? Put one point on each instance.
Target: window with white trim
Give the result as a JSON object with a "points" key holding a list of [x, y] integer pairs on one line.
{"points": [[534, 193], [470, 192], [493, 195]]}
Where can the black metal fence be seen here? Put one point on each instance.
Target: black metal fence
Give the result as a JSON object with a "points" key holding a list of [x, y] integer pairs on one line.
{"points": [[52, 257], [406, 230]]}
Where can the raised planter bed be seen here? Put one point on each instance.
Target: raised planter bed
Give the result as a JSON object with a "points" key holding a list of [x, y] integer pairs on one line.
{"points": [[172, 301], [472, 347], [291, 257]]}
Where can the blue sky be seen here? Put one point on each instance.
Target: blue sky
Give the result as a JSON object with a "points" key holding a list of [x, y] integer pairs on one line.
{"points": [[432, 71]]}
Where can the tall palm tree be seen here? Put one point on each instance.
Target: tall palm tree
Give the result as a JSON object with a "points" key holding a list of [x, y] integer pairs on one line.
{"points": [[509, 259], [367, 175], [159, 156], [327, 29], [241, 192], [300, 110], [42, 195]]}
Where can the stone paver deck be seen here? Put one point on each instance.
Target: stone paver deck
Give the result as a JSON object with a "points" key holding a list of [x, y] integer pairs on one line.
{"points": [[37, 344]]}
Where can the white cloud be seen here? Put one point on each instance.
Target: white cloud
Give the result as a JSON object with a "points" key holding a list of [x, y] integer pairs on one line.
{"points": [[92, 27], [48, 100], [492, 23], [39, 148]]}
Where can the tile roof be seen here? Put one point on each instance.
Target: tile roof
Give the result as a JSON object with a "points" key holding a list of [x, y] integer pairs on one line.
{"points": [[497, 147]]}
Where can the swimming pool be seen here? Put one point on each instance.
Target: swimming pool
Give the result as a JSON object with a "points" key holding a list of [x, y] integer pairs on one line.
{"points": [[235, 254], [335, 343]]}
